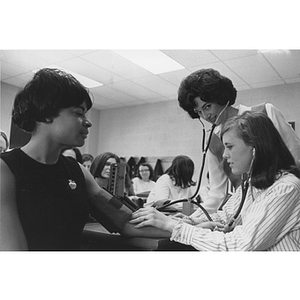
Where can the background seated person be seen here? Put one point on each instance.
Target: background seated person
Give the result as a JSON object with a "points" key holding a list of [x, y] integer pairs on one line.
{"points": [[263, 213], [73, 152], [100, 168], [4, 144], [87, 160], [129, 191], [143, 183], [174, 184]]}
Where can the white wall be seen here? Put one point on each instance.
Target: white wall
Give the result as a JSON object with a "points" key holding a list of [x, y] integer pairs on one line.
{"points": [[285, 97], [8, 93], [160, 130]]}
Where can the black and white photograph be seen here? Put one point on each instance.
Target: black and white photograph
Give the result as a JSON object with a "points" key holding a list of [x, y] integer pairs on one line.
{"points": [[148, 157]]}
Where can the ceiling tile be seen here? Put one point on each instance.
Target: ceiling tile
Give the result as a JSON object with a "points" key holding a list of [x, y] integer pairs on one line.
{"points": [[243, 87], [100, 100], [266, 84], [286, 63], [191, 58], [79, 52], [23, 58], [224, 70], [292, 80], [90, 70], [253, 69], [157, 85], [11, 69], [135, 90], [14, 81], [111, 93], [175, 77], [158, 99], [50, 56], [231, 54]]}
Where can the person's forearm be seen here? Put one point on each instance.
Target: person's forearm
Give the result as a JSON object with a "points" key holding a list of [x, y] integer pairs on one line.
{"points": [[149, 231], [170, 224]]}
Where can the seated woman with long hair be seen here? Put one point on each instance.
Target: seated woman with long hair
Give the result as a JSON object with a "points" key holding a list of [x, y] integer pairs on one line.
{"points": [[263, 213], [100, 169], [175, 183]]}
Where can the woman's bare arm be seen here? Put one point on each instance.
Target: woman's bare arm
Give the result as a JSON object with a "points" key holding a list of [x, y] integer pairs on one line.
{"points": [[129, 229], [12, 236]]}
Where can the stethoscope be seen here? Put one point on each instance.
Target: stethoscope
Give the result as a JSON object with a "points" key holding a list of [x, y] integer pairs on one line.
{"points": [[244, 183]]}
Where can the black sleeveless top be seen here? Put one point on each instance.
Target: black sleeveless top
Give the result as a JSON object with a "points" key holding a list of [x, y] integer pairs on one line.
{"points": [[51, 201]]}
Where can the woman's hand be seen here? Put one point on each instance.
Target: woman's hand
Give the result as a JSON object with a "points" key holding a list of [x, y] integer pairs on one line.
{"points": [[180, 215], [149, 216]]}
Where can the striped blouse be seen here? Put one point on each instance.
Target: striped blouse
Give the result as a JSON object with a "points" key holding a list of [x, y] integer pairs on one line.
{"points": [[269, 221]]}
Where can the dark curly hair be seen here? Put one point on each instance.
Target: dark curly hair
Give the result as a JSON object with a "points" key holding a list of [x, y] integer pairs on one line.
{"points": [[182, 170], [45, 95], [209, 85], [272, 156]]}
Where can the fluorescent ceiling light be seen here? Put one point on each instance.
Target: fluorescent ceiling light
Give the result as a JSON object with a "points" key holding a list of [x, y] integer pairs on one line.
{"points": [[154, 61], [85, 81]]}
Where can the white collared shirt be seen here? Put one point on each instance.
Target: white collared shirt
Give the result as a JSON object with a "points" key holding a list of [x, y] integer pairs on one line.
{"points": [[165, 189]]}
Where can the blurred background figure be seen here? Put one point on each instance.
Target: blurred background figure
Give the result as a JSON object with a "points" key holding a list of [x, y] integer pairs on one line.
{"points": [[176, 183], [100, 168], [129, 190], [87, 160], [4, 144], [73, 152], [143, 183]]}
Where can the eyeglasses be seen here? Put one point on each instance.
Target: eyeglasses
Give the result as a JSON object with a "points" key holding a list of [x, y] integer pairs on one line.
{"points": [[108, 164], [146, 170]]}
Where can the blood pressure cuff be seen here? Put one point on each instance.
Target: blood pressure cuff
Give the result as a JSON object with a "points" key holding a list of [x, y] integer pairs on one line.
{"points": [[109, 211]]}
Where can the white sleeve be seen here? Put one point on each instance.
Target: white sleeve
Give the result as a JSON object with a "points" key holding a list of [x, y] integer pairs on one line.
{"points": [[218, 183], [287, 133], [135, 185], [161, 190]]}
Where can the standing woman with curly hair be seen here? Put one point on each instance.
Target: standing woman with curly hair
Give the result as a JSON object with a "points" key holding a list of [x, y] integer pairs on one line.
{"points": [[208, 95]]}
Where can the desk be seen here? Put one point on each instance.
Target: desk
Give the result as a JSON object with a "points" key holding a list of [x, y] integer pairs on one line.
{"points": [[96, 237]]}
